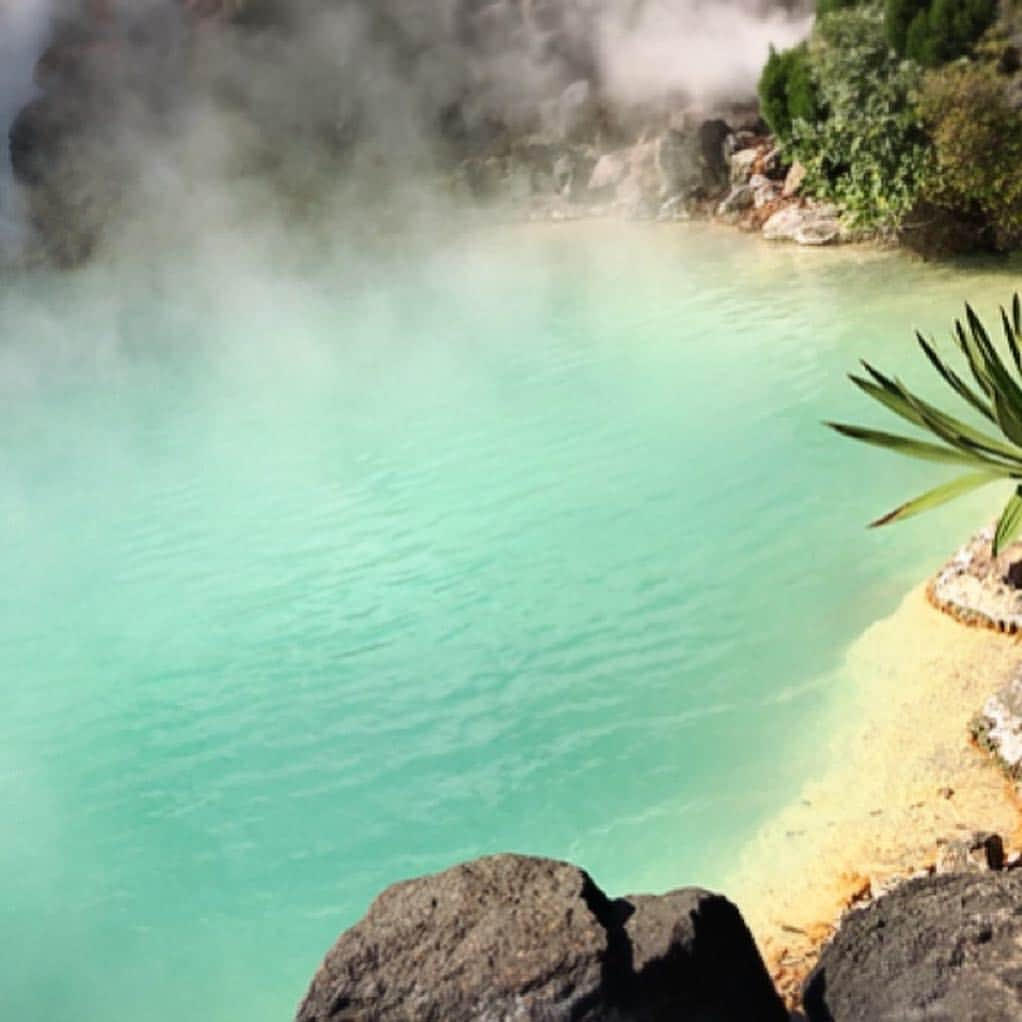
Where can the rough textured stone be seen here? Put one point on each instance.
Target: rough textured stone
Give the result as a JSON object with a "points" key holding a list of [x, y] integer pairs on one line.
{"points": [[793, 182], [783, 224], [693, 958], [608, 173], [510, 937], [998, 727], [804, 225], [823, 231], [678, 163], [975, 853], [944, 949], [739, 199], [714, 139], [565, 175], [764, 191], [979, 589], [743, 163], [577, 112]]}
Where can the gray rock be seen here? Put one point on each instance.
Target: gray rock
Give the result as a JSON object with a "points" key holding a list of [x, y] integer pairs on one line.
{"points": [[793, 182], [976, 853], [678, 164], [577, 112], [642, 190], [715, 142], [998, 728], [516, 938], [764, 191], [739, 199], [742, 163], [804, 225], [821, 231], [673, 208], [773, 166], [565, 175], [571, 172], [944, 949], [609, 172], [485, 177]]}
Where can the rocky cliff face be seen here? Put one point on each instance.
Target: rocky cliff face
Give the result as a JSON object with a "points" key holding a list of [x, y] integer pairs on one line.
{"points": [[497, 99]]}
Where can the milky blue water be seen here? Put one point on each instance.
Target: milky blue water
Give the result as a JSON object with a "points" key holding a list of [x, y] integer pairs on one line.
{"points": [[315, 578]]}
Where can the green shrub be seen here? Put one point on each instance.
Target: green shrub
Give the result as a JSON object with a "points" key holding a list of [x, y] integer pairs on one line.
{"points": [[773, 92], [870, 153], [803, 95], [788, 92], [977, 140]]}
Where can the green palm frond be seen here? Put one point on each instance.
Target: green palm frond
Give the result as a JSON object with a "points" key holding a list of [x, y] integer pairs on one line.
{"points": [[995, 394]]}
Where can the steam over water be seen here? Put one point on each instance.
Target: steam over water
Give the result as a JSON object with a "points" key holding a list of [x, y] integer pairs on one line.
{"points": [[153, 124], [321, 578]]}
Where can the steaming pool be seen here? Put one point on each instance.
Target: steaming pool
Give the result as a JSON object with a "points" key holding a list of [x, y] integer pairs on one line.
{"points": [[316, 579]]}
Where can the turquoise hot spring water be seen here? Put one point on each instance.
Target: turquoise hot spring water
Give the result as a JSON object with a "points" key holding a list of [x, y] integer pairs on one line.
{"points": [[317, 578]]}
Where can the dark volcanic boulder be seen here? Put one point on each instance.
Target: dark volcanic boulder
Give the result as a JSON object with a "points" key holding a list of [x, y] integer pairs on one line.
{"points": [[713, 144], [943, 948], [510, 937]]}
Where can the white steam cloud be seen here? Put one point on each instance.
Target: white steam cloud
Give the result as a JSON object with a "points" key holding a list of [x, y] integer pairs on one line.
{"points": [[347, 104], [707, 50]]}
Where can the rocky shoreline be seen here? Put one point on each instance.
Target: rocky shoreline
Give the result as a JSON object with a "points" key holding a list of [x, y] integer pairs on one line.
{"points": [[890, 889], [573, 149], [710, 171]]}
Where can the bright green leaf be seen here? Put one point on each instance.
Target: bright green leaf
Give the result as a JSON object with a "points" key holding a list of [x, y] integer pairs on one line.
{"points": [[937, 496], [1010, 523]]}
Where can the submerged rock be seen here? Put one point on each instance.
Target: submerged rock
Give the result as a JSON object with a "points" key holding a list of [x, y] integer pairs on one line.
{"points": [[944, 948], [510, 937]]}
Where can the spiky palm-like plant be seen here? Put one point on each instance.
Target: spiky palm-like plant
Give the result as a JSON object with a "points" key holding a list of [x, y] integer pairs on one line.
{"points": [[996, 395]]}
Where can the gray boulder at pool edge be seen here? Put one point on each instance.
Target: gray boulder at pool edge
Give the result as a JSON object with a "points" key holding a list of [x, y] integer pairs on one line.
{"points": [[511, 937], [942, 948]]}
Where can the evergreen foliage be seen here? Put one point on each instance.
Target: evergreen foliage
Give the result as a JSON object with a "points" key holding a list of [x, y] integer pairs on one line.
{"points": [[788, 92], [899, 17], [933, 32], [881, 136]]}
